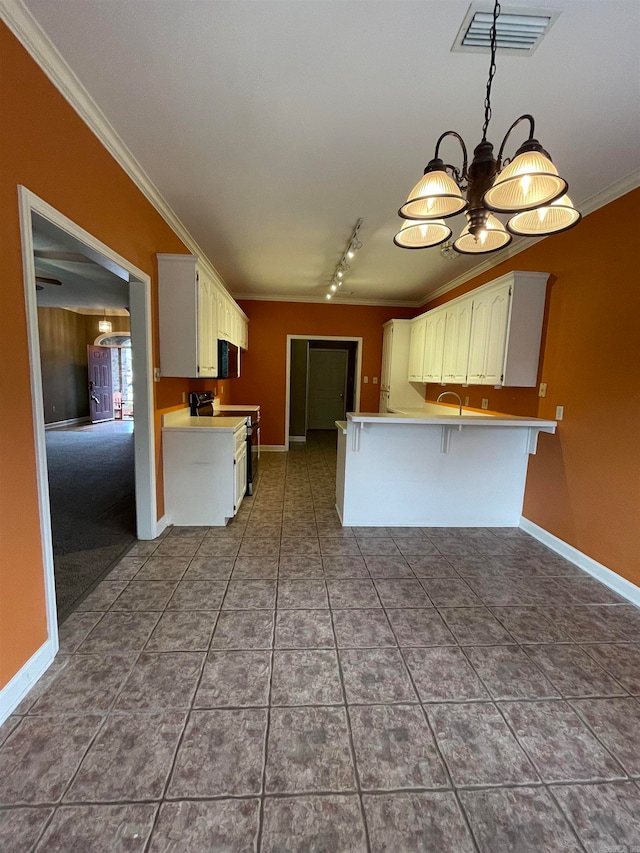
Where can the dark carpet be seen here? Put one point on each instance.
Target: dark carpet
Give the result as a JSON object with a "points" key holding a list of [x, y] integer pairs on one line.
{"points": [[91, 488]]}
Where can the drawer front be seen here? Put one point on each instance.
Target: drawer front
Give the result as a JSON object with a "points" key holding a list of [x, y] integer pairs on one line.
{"points": [[240, 438]]}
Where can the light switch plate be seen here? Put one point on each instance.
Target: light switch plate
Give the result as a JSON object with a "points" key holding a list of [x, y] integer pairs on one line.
{"points": [[485, 403], [542, 391], [156, 374], [375, 380], [559, 413], [365, 379]]}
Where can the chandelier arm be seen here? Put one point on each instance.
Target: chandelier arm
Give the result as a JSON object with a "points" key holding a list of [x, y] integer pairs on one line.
{"points": [[459, 174], [532, 127]]}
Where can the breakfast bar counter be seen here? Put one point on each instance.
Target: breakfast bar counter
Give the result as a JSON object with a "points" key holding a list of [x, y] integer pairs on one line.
{"points": [[434, 467]]}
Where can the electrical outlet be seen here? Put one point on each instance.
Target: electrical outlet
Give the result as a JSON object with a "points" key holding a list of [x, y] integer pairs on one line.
{"points": [[466, 401], [184, 396], [542, 391], [559, 413], [156, 374], [365, 379], [375, 380], [485, 403]]}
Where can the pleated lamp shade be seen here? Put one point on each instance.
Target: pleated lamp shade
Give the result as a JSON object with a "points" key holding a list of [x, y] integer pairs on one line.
{"points": [[558, 216], [435, 196], [422, 235], [493, 237], [529, 181]]}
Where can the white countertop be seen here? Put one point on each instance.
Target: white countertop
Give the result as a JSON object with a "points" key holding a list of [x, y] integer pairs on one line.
{"points": [[232, 407], [443, 415], [182, 420]]}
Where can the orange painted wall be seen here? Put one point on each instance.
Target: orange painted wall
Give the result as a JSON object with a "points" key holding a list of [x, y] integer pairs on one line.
{"points": [[263, 374], [46, 147], [584, 483]]}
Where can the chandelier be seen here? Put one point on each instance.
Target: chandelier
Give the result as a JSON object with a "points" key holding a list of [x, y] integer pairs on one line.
{"points": [[528, 187]]}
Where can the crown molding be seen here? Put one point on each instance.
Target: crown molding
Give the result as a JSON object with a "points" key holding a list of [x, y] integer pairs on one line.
{"points": [[43, 51], [619, 188], [322, 300]]}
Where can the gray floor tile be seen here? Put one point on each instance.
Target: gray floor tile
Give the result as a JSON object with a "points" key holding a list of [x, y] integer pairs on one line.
{"points": [[616, 722], [119, 631], [88, 683], [340, 547], [243, 629], [309, 751], [379, 546], [477, 745], [127, 568], [402, 593], [21, 828], [388, 567], [303, 545], [431, 566], [217, 547], [228, 826], [161, 682], [296, 594], [352, 593], [234, 679], [590, 623], [198, 595], [395, 748], [420, 627], [525, 820], [58, 665], [416, 823], [209, 568], [530, 625], [375, 675], [362, 629], [336, 568], [416, 546], [163, 569], [605, 817], [40, 757], [449, 592], [250, 595], [304, 629], [177, 546], [145, 595], [508, 673], [559, 743], [306, 677], [221, 754], [296, 566], [589, 591], [475, 626], [8, 726], [259, 546], [573, 672], [622, 661], [75, 628], [255, 568], [443, 674], [182, 631], [325, 824], [129, 760], [102, 596]]}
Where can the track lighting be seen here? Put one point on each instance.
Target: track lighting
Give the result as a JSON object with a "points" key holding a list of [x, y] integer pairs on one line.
{"points": [[343, 267], [528, 187]]}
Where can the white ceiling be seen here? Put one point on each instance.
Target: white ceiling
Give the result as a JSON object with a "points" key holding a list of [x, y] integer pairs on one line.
{"points": [[270, 127]]}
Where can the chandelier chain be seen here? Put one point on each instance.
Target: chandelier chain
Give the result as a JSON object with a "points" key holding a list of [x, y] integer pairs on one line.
{"points": [[492, 71]]}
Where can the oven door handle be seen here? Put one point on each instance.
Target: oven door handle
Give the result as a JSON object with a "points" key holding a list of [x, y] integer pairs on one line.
{"points": [[258, 434]]}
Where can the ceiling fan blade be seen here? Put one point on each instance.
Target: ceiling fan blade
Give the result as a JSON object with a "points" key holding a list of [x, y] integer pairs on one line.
{"points": [[43, 280], [39, 287], [51, 255]]}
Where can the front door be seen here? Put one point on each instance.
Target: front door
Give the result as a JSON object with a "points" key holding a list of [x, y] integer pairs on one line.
{"points": [[327, 387], [100, 384]]}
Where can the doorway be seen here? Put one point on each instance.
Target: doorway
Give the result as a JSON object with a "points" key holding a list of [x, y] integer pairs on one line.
{"points": [[117, 276], [323, 383]]}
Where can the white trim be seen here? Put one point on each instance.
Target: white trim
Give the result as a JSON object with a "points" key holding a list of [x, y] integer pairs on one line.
{"points": [[14, 692], [287, 401], [601, 573], [273, 448], [161, 526], [68, 422], [297, 438]]}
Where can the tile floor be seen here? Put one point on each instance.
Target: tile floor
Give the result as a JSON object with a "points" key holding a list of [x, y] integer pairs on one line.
{"points": [[286, 684]]}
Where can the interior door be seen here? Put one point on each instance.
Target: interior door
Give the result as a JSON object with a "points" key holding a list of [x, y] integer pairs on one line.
{"points": [[327, 389], [100, 384]]}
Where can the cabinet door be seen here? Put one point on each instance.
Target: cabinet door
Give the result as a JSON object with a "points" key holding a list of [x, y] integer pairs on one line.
{"points": [[207, 345], [385, 370], [223, 332], [240, 487], [416, 351], [450, 344], [463, 335], [434, 346], [488, 336]]}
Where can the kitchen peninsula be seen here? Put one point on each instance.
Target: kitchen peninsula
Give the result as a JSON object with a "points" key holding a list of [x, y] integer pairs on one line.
{"points": [[433, 467]]}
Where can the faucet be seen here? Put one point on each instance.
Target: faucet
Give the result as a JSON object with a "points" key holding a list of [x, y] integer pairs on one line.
{"points": [[444, 394]]}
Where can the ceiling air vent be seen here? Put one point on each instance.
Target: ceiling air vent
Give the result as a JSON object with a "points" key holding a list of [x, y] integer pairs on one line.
{"points": [[519, 31]]}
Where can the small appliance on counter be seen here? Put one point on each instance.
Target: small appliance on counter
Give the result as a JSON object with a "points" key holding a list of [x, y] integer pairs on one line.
{"points": [[203, 404]]}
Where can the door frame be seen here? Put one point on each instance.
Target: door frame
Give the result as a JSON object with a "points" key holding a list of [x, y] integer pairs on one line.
{"points": [[144, 432], [287, 403]]}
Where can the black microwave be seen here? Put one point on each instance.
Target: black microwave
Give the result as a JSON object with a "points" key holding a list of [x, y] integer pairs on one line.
{"points": [[228, 360]]}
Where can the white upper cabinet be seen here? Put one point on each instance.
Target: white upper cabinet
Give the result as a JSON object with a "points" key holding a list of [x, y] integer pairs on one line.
{"points": [[416, 349], [194, 312], [387, 346], [394, 384], [434, 345], [489, 336]]}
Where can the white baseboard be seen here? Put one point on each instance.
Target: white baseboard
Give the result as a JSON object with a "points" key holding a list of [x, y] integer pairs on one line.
{"points": [[69, 422], [14, 692], [298, 438], [273, 448], [601, 573]]}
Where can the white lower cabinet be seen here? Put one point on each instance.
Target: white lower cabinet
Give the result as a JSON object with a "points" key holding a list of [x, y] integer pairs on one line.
{"points": [[205, 474]]}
